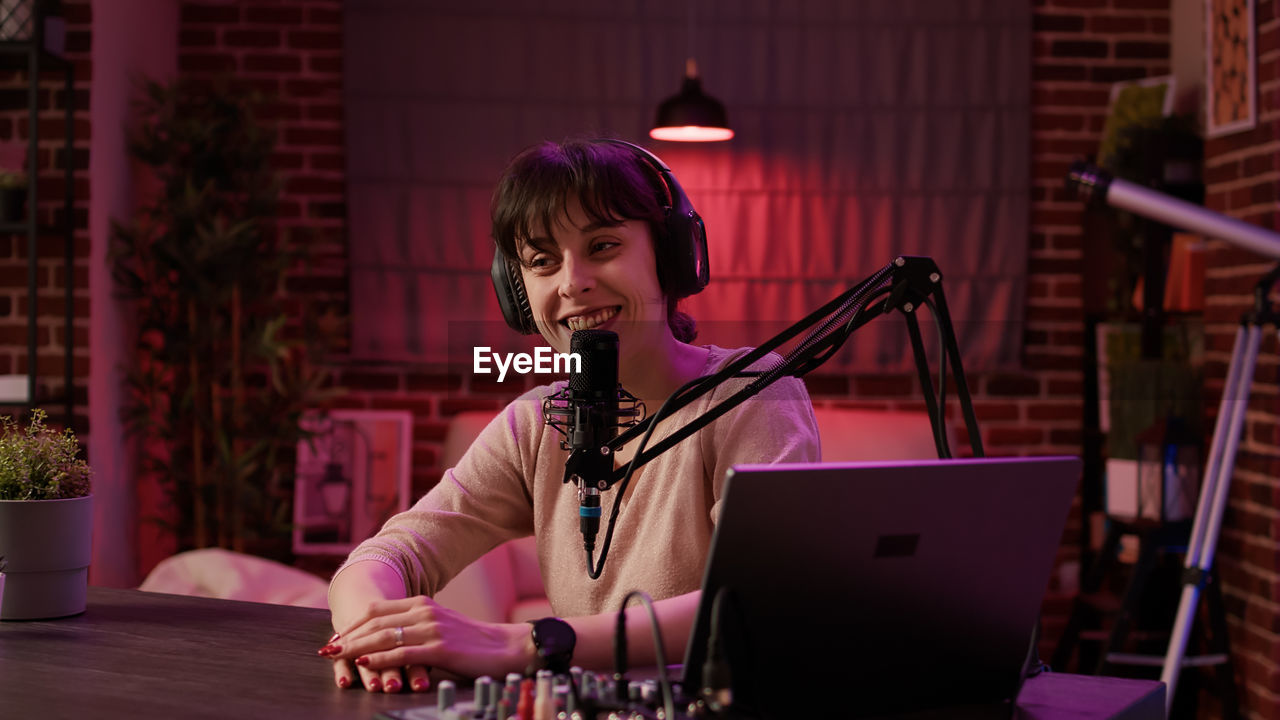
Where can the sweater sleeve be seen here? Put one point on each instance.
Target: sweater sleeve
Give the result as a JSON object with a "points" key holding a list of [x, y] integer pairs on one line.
{"points": [[483, 501], [775, 426]]}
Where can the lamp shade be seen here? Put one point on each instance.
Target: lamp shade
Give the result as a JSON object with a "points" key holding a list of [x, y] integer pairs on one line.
{"points": [[691, 116]]}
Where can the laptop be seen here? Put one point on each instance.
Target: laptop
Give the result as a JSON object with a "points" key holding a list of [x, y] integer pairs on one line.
{"points": [[880, 589]]}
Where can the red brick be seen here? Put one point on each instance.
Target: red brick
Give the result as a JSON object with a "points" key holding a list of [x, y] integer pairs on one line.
{"points": [[1131, 49], [315, 186], [320, 16], [1117, 24], [1045, 22], [992, 412], [201, 38], [206, 62], [367, 380], [312, 137], [1078, 3], [326, 161], [1043, 121], [1054, 411], [883, 385], [218, 13], [315, 40], [1116, 73], [1004, 384], [1079, 49], [273, 15], [426, 382], [1003, 436], [273, 63], [239, 38], [320, 64], [1041, 72]]}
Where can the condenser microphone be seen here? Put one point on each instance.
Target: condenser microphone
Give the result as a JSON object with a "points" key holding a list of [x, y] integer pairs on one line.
{"points": [[593, 402], [593, 389]]}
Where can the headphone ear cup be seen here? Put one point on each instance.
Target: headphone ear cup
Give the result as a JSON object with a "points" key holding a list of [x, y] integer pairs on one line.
{"points": [[683, 264], [689, 270], [687, 238], [512, 298]]}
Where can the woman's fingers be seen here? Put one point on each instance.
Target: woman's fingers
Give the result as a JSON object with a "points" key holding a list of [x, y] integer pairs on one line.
{"points": [[381, 608], [392, 680], [370, 679], [343, 674], [418, 678]]}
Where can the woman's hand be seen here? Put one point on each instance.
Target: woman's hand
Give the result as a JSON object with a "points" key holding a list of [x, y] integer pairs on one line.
{"points": [[418, 634]]}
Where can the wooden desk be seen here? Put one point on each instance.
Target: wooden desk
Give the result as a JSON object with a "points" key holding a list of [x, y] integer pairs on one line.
{"points": [[146, 655]]}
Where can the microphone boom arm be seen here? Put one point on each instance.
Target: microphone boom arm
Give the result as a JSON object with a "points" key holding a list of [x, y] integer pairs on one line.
{"points": [[909, 282]]}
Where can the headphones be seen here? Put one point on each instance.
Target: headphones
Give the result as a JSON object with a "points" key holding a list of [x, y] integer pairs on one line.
{"points": [[682, 259]]}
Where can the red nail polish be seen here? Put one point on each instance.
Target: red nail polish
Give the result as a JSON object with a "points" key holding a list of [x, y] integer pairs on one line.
{"points": [[392, 686], [374, 685], [420, 685], [328, 650], [362, 660], [332, 638], [344, 682]]}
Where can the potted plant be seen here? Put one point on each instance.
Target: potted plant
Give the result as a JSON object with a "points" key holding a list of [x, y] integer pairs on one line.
{"points": [[224, 363], [46, 520]]}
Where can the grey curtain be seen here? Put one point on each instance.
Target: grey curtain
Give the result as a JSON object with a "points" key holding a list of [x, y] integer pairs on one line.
{"points": [[866, 129]]}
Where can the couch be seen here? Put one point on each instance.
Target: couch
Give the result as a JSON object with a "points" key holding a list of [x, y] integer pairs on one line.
{"points": [[505, 585]]}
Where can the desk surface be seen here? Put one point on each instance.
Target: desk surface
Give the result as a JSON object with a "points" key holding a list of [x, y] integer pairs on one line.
{"points": [[146, 655]]}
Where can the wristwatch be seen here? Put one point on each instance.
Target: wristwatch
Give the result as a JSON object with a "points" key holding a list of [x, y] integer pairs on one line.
{"points": [[554, 640]]}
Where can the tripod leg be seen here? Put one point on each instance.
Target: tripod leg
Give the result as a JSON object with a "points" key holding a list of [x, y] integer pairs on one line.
{"points": [[1213, 497], [1132, 599]]}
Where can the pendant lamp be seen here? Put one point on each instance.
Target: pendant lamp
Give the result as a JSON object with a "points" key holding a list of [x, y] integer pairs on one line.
{"points": [[691, 115]]}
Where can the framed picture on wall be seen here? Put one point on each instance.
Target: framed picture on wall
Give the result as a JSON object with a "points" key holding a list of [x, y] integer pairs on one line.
{"points": [[352, 474], [1231, 76]]}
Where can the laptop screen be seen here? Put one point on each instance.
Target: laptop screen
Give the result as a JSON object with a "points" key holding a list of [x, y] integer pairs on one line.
{"points": [[870, 588]]}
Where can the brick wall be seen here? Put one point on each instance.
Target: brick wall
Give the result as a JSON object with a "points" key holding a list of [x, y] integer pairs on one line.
{"points": [[1241, 180], [51, 272], [293, 49], [1080, 48]]}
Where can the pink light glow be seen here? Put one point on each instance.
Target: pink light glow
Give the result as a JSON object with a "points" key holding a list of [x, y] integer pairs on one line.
{"points": [[691, 133]]}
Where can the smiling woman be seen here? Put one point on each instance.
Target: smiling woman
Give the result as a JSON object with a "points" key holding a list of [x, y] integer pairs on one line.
{"points": [[589, 234]]}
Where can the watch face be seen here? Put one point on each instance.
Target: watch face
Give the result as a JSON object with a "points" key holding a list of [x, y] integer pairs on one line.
{"points": [[555, 640]]}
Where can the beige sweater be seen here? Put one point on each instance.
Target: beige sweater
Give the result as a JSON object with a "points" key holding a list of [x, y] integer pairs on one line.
{"points": [[509, 484]]}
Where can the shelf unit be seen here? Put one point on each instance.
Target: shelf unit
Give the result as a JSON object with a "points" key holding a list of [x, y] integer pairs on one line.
{"points": [[41, 52]]}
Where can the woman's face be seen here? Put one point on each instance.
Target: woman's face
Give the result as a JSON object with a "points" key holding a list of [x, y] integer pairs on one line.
{"points": [[586, 275]]}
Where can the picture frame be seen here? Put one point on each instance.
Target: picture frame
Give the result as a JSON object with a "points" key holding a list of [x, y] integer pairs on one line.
{"points": [[1231, 78], [352, 476]]}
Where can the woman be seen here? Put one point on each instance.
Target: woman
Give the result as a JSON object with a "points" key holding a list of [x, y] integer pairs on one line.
{"points": [[588, 229]]}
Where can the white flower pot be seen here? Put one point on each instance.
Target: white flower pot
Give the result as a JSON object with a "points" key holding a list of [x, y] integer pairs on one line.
{"points": [[47, 545]]}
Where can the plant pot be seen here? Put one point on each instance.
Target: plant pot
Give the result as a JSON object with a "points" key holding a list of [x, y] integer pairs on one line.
{"points": [[47, 545]]}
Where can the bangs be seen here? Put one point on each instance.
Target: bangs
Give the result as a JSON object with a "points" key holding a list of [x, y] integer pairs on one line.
{"points": [[536, 191]]}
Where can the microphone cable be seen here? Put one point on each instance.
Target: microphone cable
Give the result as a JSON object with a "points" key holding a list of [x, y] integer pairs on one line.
{"points": [[620, 651]]}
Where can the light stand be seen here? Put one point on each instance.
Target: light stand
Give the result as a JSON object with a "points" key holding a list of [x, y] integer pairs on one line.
{"points": [[1099, 186]]}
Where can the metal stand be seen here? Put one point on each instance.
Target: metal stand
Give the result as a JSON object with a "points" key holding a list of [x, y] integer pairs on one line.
{"points": [[1217, 477]]}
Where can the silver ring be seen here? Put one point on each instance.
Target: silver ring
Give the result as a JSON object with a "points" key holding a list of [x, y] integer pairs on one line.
{"points": [[399, 636]]}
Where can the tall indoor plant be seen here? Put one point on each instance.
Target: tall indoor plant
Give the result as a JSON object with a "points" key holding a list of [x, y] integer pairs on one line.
{"points": [[220, 373], [46, 520]]}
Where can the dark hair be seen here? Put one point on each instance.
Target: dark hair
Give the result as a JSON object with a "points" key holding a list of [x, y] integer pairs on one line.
{"points": [[611, 182]]}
